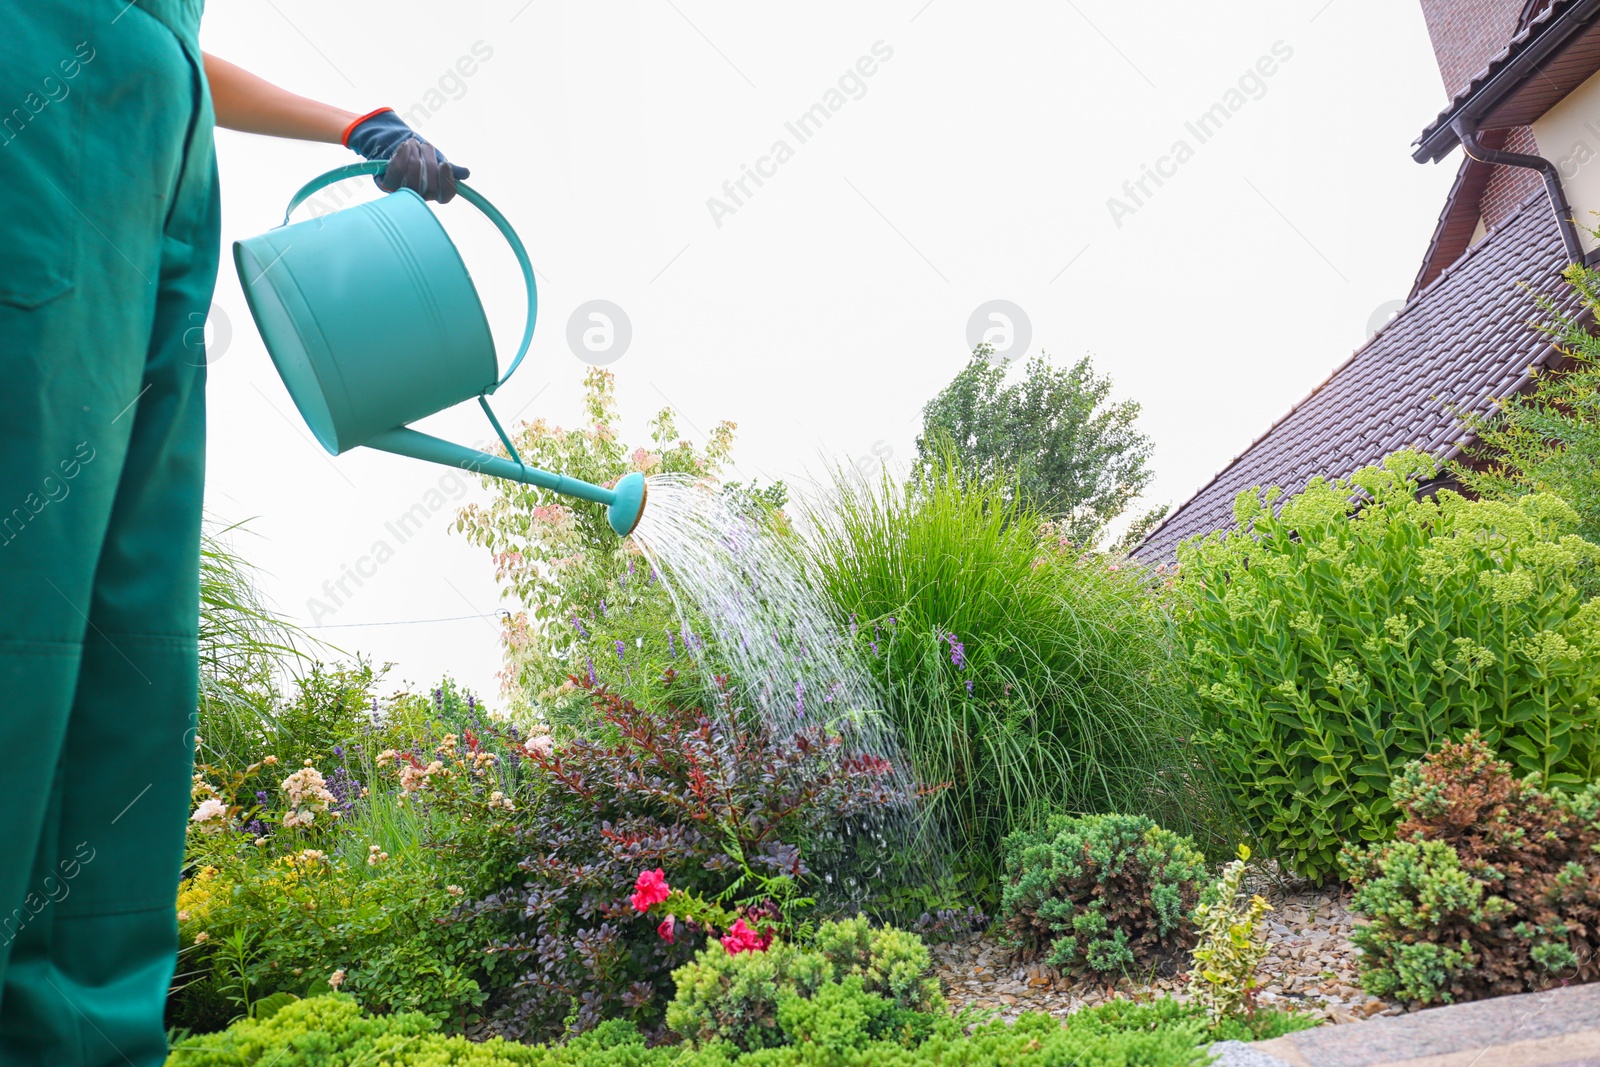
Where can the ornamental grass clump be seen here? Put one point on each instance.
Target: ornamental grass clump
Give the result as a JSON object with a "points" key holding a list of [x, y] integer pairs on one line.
{"points": [[1326, 649], [1101, 893], [1491, 887], [1030, 675]]}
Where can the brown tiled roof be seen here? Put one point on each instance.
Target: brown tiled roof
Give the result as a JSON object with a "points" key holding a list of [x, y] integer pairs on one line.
{"points": [[1573, 62], [1462, 341], [1459, 219]]}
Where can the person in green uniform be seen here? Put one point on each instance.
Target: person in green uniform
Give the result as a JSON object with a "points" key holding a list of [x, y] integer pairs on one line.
{"points": [[108, 254]]}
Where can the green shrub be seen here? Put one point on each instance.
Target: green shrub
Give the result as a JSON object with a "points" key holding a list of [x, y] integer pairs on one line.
{"points": [[1231, 944], [331, 1031], [1492, 888], [856, 982], [1327, 649], [1027, 675], [892, 963], [1102, 892]]}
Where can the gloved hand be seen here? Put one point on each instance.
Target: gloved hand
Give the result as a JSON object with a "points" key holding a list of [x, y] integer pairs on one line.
{"points": [[413, 163]]}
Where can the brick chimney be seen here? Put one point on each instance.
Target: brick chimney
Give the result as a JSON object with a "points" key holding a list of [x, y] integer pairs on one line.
{"points": [[1467, 33]]}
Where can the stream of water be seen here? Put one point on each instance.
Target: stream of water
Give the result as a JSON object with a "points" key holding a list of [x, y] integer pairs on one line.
{"points": [[790, 657]]}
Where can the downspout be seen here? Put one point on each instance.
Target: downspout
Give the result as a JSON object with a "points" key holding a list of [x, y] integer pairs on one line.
{"points": [[1468, 136]]}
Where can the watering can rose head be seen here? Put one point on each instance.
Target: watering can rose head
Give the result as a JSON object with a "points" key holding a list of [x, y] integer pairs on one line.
{"points": [[373, 322]]}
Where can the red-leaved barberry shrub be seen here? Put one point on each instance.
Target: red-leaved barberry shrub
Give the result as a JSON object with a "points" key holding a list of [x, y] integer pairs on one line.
{"points": [[720, 810]]}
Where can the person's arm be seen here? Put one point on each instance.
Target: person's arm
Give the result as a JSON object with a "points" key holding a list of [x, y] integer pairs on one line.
{"points": [[242, 101], [245, 102]]}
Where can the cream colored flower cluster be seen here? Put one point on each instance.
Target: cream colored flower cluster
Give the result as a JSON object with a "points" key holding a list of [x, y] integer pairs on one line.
{"points": [[307, 793], [413, 778], [211, 816]]}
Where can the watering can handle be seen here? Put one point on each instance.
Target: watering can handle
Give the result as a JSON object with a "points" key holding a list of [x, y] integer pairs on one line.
{"points": [[471, 196]]}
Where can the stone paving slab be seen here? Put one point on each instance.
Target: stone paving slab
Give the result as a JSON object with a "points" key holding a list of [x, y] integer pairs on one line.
{"points": [[1556, 1028]]}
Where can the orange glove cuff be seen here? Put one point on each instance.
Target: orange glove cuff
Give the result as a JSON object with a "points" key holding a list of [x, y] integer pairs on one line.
{"points": [[344, 138]]}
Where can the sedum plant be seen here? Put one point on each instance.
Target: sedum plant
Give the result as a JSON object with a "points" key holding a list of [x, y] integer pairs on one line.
{"points": [[1231, 944], [1100, 892], [1493, 886], [1326, 649]]}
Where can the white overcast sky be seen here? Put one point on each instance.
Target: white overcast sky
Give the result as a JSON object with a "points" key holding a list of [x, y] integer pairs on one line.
{"points": [[975, 164]]}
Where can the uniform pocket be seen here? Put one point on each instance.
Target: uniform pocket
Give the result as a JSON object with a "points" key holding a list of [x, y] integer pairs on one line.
{"points": [[41, 137]]}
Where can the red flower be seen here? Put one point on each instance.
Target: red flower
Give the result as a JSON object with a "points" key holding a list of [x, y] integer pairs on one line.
{"points": [[667, 928], [743, 939], [651, 888]]}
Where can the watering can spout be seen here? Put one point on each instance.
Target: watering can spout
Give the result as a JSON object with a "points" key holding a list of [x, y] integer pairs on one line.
{"points": [[624, 502]]}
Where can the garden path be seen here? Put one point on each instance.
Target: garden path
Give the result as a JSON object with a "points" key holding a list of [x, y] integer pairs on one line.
{"points": [[1556, 1028]]}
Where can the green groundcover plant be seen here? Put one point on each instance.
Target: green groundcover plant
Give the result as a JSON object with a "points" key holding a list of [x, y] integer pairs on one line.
{"points": [[1101, 892], [333, 1031], [1327, 648], [1028, 675]]}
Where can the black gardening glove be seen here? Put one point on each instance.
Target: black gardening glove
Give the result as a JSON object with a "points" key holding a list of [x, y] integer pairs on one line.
{"points": [[413, 163]]}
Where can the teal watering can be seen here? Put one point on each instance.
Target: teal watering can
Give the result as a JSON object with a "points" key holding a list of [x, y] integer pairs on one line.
{"points": [[373, 322]]}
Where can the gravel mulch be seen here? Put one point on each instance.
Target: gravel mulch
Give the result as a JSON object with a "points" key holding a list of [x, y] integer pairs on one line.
{"points": [[1311, 967]]}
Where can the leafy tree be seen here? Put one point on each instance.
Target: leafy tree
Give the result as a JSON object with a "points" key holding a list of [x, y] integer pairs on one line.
{"points": [[1070, 451], [1547, 440]]}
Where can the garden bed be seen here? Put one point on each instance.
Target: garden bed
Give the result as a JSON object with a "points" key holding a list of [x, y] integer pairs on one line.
{"points": [[1311, 967]]}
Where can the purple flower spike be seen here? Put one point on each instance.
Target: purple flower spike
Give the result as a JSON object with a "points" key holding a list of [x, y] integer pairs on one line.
{"points": [[621, 650], [577, 625], [969, 687], [671, 645], [958, 651], [590, 662]]}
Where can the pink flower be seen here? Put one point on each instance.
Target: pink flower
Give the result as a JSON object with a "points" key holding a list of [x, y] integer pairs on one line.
{"points": [[743, 939], [651, 888], [668, 928]]}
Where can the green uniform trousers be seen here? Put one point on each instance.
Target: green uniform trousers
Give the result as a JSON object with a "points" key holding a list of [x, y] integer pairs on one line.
{"points": [[109, 236]]}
